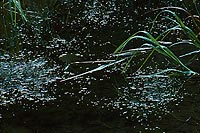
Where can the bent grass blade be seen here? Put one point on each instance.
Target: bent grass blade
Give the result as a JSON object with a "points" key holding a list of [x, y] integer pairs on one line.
{"points": [[94, 70], [154, 44]]}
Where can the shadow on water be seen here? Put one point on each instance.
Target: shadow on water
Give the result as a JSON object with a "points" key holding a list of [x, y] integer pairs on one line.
{"points": [[41, 92]]}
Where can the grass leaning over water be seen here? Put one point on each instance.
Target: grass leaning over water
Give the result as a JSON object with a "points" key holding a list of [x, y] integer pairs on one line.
{"points": [[154, 44]]}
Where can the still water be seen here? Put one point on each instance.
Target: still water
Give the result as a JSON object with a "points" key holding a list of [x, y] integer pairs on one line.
{"points": [[67, 79]]}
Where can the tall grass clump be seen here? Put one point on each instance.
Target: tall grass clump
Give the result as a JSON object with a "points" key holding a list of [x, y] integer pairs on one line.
{"points": [[14, 8], [186, 33], [27, 24], [11, 15]]}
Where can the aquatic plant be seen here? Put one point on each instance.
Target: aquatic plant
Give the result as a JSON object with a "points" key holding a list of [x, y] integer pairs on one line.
{"points": [[154, 68], [14, 10], [17, 20], [185, 33], [12, 15]]}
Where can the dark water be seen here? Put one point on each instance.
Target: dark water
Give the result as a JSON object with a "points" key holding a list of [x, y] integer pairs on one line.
{"points": [[40, 92]]}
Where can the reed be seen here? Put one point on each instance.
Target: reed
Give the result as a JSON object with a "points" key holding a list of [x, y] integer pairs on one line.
{"points": [[12, 16], [15, 9], [153, 43]]}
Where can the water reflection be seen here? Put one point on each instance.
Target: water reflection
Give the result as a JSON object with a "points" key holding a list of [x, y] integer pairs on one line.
{"points": [[92, 29], [148, 96], [25, 79]]}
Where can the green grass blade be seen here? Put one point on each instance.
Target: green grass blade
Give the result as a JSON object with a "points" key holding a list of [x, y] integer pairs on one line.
{"points": [[17, 3], [180, 23], [156, 46]]}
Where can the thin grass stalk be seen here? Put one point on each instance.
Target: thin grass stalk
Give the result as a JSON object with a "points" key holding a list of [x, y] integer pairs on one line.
{"points": [[127, 64], [196, 8], [5, 26], [16, 4], [121, 47], [176, 8], [15, 15], [145, 61], [10, 7], [180, 26]]}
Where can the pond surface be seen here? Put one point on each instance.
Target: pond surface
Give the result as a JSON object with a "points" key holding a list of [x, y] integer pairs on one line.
{"points": [[66, 78]]}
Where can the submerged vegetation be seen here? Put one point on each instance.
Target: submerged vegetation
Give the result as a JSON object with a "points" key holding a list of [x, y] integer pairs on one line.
{"points": [[57, 56]]}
